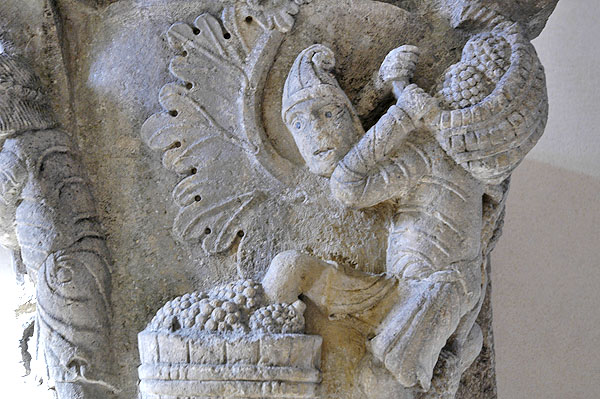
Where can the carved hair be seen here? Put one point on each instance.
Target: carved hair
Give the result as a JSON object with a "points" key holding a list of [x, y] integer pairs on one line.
{"points": [[311, 77], [23, 104]]}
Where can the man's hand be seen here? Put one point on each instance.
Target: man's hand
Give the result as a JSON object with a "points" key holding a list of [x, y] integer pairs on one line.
{"points": [[398, 67]]}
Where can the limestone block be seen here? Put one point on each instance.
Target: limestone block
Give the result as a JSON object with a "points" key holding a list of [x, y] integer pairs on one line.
{"points": [[345, 164]]}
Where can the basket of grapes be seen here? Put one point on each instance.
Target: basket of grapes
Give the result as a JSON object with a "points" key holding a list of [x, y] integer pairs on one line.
{"points": [[228, 343]]}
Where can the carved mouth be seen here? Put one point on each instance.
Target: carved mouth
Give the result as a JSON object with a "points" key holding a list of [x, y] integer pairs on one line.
{"points": [[323, 152]]}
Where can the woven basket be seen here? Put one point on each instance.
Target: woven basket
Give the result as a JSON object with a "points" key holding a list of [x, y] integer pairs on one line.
{"points": [[489, 139]]}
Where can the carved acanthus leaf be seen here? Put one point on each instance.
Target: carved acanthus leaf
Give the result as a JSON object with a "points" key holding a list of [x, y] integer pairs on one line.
{"points": [[203, 131], [275, 14], [216, 217]]}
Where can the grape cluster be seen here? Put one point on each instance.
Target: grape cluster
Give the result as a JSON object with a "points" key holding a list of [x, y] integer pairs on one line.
{"points": [[218, 315], [200, 312], [484, 62], [247, 294], [224, 309], [169, 316], [489, 54], [229, 308], [277, 319], [463, 86]]}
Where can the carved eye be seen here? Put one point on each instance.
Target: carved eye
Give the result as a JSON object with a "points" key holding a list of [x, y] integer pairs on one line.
{"points": [[298, 125], [328, 114]]}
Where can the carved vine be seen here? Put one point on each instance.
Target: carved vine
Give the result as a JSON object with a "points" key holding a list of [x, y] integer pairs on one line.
{"points": [[50, 223]]}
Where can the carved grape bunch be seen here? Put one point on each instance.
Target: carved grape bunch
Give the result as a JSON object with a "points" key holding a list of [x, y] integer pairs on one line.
{"points": [[199, 311], [218, 315], [247, 294], [483, 63], [279, 318], [463, 87], [165, 316], [234, 307], [488, 53]]}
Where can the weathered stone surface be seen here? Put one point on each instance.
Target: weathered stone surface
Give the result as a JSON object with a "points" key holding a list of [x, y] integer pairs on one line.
{"points": [[384, 234], [49, 222], [229, 342], [481, 376]]}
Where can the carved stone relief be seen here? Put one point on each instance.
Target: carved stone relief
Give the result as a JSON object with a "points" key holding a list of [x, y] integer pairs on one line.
{"points": [[441, 162], [333, 181], [49, 221], [229, 342]]}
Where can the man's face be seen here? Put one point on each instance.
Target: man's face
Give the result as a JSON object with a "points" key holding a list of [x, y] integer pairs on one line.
{"points": [[324, 131]]}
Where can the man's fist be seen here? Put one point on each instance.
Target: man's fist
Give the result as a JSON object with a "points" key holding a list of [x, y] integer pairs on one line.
{"points": [[399, 65]]}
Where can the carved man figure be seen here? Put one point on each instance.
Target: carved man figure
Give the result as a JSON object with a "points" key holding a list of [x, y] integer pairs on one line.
{"points": [[48, 219], [438, 168]]}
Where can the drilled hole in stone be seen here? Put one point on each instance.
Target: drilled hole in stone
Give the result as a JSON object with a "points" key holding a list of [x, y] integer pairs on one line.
{"points": [[177, 144], [193, 171], [184, 53], [189, 86], [197, 198], [227, 35], [175, 324], [196, 31], [173, 113], [248, 19], [207, 231], [240, 233]]}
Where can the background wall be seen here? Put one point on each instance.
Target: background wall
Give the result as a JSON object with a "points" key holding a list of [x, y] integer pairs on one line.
{"points": [[546, 269], [546, 275], [10, 329]]}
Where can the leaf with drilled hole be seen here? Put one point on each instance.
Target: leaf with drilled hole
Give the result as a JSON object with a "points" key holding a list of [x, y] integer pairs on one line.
{"points": [[203, 131], [215, 224]]}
